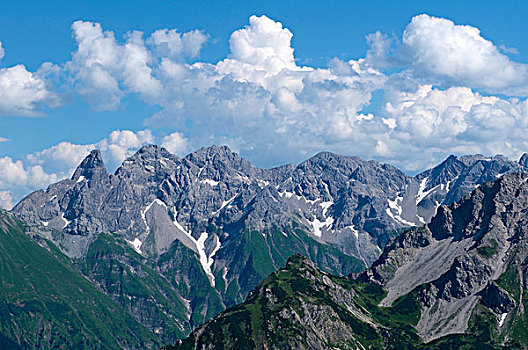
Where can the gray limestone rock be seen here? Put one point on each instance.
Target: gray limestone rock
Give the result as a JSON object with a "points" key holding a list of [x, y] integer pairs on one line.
{"points": [[233, 223], [456, 259], [353, 204]]}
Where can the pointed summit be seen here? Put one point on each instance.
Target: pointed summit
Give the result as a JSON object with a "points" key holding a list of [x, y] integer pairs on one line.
{"points": [[150, 157], [446, 171], [149, 153], [221, 156], [92, 166], [214, 150], [524, 160]]}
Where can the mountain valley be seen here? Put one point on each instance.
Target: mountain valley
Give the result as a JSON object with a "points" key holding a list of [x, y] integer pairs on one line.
{"points": [[174, 242]]}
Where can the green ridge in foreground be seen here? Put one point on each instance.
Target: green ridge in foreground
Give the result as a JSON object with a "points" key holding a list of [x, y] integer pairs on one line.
{"points": [[45, 303], [301, 307]]}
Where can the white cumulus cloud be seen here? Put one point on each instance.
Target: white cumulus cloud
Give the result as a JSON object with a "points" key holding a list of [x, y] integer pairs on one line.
{"points": [[173, 44], [431, 123], [411, 101], [104, 69], [460, 53], [121, 144], [14, 173], [264, 44], [259, 101], [6, 201], [175, 143], [22, 92]]}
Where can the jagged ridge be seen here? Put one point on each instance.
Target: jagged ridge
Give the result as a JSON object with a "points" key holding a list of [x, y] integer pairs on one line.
{"points": [[212, 222]]}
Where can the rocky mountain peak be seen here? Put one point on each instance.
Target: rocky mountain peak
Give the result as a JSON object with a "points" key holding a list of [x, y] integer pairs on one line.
{"points": [[329, 160], [448, 162], [524, 160], [443, 172], [214, 151], [220, 158], [151, 152], [91, 167], [454, 260], [298, 262], [149, 159], [471, 159], [221, 223]]}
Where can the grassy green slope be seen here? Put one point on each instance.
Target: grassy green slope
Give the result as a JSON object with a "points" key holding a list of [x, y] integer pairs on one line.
{"points": [[134, 283], [303, 307], [46, 303], [258, 254]]}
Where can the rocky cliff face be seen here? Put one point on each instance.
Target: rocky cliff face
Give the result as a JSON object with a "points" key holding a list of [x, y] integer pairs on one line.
{"points": [[213, 226], [457, 282], [301, 307], [155, 198], [472, 252]]}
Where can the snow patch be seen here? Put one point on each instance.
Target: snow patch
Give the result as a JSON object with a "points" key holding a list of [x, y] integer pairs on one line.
{"points": [[49, 200], [502, 318], [422, 193], [81, 178], [243, 178], [421, 219], [159, 202], [448, 184], [210, 182], [318, 225], [396, 205], [309, 201], [147, 208], [217, 248], [262, 183], [289, 195], [180, 227], [135, 244], [44, 223], [325, 206], [225, 203], [224, 276], [200, 172], [205, 261], [354, 231], [66, 221]]}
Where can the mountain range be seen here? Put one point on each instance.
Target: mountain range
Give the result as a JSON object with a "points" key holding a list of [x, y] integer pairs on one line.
{"points": [[175, 241], [455, 283]]}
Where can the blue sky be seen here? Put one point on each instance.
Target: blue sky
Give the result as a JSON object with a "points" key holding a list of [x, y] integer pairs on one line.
{"points": [[298, 78]]}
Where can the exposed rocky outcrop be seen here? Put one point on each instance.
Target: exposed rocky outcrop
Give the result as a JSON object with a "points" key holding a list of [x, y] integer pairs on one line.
{"points": [[460, 258], [300, 307], [232, 224], [457, 282]]}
